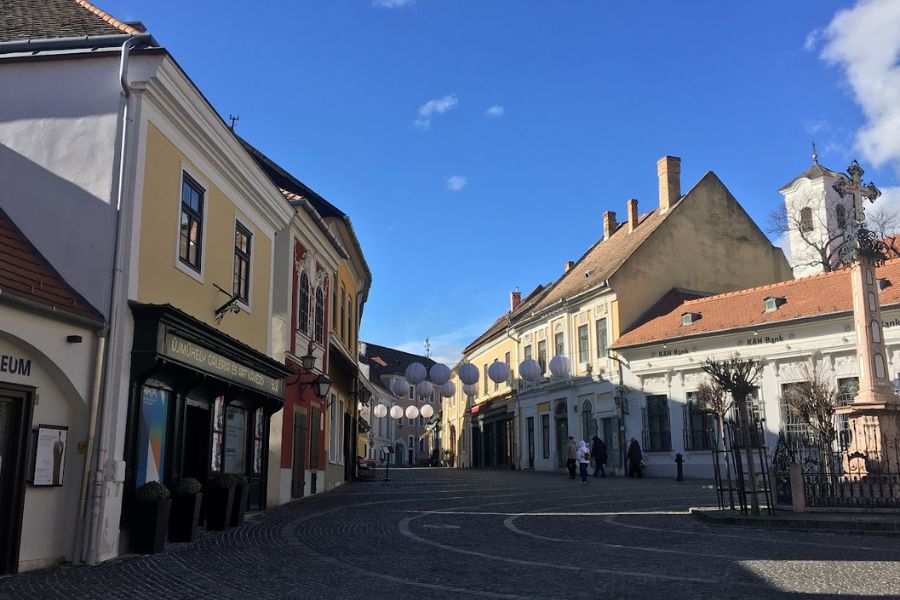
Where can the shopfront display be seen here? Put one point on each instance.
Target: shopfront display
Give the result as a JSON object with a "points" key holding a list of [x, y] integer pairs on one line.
{"points": [[201, 402]]}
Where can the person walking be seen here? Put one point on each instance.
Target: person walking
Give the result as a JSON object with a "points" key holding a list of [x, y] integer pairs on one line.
{"points": [[583, 456], [571, 454], [598, 453], [635, 458]]}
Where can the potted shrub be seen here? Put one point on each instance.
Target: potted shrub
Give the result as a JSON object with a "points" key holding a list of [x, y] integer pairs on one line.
{"points": [[241, 492], [219, 501], [150, 520], [187, 498]]}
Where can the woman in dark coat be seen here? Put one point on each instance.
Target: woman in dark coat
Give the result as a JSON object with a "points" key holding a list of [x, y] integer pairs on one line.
{"points": [[598, 451], [635, 457]]}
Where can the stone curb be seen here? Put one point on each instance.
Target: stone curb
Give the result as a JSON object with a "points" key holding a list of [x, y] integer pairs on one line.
{"points": [[807, 523]]}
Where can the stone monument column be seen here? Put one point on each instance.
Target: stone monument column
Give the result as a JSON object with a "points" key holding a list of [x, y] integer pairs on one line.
{"points": [[874, 413]]}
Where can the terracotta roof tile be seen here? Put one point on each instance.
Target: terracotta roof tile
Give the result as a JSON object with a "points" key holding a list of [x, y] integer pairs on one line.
{"points": [[48, 19], [26, 274], [817, 295]]}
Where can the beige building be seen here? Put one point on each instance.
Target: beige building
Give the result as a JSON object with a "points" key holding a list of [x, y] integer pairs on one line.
{"points": [[702, 240]]}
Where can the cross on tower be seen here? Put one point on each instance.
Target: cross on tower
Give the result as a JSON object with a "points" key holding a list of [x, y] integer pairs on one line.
{"points": [[854, 188]]}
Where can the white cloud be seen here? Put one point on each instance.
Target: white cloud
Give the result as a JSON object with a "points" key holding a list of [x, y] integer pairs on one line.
{"points": [[437, 106], [495, 112], [447, 347], [816, 126], [864, 42], [456, 182], [889, 201], [392, 3]]}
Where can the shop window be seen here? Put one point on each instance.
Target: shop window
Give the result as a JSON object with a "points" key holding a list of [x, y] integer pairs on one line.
{"points": [[258, 434], [583, 344], [151, 443], [320, 315], [601, 338], [241, 284], [235, 440], [303, 304], [545, 436], [190, 243], [218, 434], [588, 422]]}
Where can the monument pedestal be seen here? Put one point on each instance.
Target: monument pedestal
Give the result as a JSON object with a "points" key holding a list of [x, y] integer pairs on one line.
{"points": [[874, 429]]}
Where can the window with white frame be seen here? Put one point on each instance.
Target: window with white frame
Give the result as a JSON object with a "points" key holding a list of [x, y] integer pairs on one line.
{"points": [[657, 433], [601, 337], [190, 243], [320, 315], [698, 425], [583, 344]]}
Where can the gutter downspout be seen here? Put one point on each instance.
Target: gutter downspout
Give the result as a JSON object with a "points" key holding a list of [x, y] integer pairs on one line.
{"points": [[91, 552]]}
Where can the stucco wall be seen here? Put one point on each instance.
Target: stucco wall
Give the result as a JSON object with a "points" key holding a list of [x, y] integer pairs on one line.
{"points": [[162, 281], [60, 373], [708, 244]]}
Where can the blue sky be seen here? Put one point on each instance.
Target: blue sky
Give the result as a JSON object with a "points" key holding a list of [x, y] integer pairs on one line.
{"points": [[476, 143]]}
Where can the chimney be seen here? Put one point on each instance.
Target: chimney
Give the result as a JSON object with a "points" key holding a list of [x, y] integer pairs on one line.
{"points": [[514, 298], [669, 170], [569, 265], [632, 215], [609, 224]]}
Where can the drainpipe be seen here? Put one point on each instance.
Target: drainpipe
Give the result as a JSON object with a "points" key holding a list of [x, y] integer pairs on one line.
{"points": [[97, 382], [96, 501]]}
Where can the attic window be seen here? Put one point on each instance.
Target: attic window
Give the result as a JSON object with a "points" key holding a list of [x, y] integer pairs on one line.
{"points": [[884, 283], [773, 302], [689, 318]]}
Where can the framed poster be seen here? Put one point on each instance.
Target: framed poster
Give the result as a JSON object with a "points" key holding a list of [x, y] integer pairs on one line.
{"points": [[49, 455], [151, 435]]}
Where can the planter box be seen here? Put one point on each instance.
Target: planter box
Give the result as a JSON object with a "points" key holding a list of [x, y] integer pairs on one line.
{"points": [[219, 504], [149, 526], [240, 504], [185, 518]]}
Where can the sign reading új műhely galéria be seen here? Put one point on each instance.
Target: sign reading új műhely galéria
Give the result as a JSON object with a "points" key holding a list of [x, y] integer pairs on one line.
{"points": [[212, 362]]}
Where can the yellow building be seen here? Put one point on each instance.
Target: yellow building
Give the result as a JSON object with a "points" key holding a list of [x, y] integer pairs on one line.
{"points": [[701, 242]]}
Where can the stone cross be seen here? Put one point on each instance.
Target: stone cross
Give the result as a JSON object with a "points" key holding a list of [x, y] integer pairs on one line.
{"points": [[854, 188]]}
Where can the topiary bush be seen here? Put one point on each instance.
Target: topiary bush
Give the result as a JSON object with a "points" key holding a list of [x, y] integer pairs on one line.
{"points": [[187, 486], [152, 491], [223, 481]]}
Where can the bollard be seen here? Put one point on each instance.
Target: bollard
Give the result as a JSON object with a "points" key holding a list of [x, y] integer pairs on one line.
{"points": [[679, 462]]}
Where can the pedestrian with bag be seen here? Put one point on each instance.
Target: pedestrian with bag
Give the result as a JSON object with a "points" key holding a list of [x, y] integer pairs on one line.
{"points": [[635, 459], [598, 452], [571, 454], [583, 456]]}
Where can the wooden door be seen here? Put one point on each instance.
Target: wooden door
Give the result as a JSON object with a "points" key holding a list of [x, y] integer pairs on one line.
{"points": [[298, 466]]}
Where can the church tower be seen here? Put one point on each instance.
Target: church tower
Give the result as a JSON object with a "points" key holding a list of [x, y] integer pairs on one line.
{"points": [[816, 217]]}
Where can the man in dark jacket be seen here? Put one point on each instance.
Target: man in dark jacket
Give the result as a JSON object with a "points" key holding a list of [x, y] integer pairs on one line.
{"points": [[571, 453], [635, 458], [598, 452]]}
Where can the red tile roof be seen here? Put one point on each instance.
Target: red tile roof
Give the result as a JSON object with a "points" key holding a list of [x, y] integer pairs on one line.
{"points": [[26, 274], [48, 19], [814, 296]]}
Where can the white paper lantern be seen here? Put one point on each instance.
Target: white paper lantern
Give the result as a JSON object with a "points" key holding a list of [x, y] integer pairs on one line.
{"points": [[470, 389], [427, 411], [381, 411], [468, 373], [530, 370], [424, 389], [559, 365], [399, 388], [416, 372], [448, 390], [396, 412], [412, 412], [498, 371], [439, 374]]}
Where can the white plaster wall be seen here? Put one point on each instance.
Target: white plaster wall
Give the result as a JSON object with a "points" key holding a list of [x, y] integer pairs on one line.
{"points": [[61, 373]]}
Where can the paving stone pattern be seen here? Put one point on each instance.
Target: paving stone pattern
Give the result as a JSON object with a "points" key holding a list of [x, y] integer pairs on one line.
{"points": [[442, 534]]}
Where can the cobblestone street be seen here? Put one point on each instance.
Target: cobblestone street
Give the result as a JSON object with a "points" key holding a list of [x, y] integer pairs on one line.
{"points": [[445, 534]]}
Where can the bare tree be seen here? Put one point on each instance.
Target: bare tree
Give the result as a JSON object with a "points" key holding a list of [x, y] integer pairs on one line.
{"points": [[738, 376], [813, 232], [823, 240], [713, 399]]}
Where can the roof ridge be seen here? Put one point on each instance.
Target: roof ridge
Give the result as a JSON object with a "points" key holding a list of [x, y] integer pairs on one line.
{"points": [[108, 17]]}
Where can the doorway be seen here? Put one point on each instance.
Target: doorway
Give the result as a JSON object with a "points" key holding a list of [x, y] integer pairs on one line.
{"points": [[298, 466], [562, 438], [15, 419], [530, 429], [195, 461]]}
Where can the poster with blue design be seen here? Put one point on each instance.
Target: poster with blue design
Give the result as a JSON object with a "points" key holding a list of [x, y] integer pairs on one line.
{"points": [[152, 434]]}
